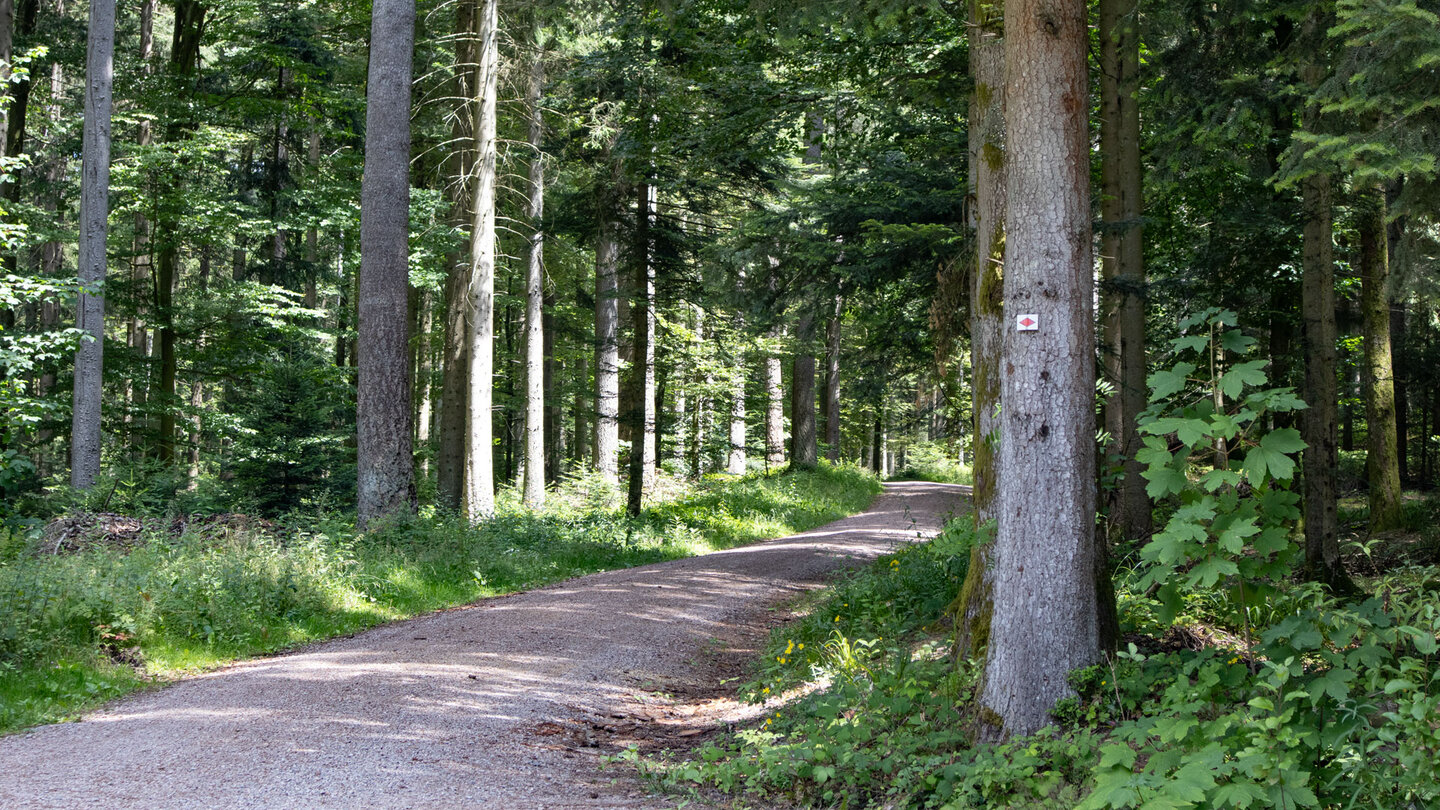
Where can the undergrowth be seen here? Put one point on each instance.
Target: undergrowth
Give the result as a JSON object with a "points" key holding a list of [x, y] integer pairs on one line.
{"points": [[80, 628], [1327, 704]]}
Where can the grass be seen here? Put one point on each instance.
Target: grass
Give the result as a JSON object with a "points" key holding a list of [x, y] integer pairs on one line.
{"points": [[82, 628]]}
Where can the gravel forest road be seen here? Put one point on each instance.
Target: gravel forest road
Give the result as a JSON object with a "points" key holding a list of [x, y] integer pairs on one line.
{"points": [[506, 703]]}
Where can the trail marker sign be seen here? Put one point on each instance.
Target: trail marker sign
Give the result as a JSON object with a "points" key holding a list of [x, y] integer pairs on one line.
{"points": [[1029, 322]]}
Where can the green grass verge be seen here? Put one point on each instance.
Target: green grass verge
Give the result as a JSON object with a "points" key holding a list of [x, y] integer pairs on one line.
{"points": [[73, 627]]}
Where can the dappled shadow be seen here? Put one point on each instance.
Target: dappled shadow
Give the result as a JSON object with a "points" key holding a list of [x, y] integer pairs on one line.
{"points": [[443, 711]]}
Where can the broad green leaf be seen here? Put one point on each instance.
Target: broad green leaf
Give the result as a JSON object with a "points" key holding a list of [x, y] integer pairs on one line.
{"points": [[1283, 440], [1164, 481], [1232, 539], [1210, 571], [1165, 384], [1233, 340], [1241, 375], [1193, 343], [1237, 794], [1117, 754]]}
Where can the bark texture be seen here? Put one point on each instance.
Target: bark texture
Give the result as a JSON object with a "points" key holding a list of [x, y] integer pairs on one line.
{"points": [[455, 386], [832, 383], [1044, 622], [607, 346], [1382, 459], [774, 408], [1122, 262], [479, 427], [987, 185], [804, 449], [94, 211], [642, 366], [1318, 422], [385, 480], [534, 489]]}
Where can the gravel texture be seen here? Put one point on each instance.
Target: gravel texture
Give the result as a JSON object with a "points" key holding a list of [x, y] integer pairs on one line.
{"points": [[502, 704]]}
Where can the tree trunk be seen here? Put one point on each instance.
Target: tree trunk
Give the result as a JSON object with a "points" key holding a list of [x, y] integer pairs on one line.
{"points": [[454, 388], [385, 482], [774, 407], [197, 389], [607, 336], [534, 490], [167, 269], [141, 265], [1321, 457], [312, 234], [1044, 622], [987, 185], [577, 411], [424, 324], [479, 429], [1382, 464], [642, 367], [94, 211], [804, 450], [736, 460], [832, 383], [1122, 262], [557, 446]]}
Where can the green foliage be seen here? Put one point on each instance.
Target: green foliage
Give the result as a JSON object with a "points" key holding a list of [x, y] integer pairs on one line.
{"points": [[1229, 528], [1333, 707], [78, 628], [892, 714], [932, 461], [294, 443]]}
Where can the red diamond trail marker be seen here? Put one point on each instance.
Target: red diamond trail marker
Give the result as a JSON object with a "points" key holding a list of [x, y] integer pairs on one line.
{"points": [[1027, 323]]}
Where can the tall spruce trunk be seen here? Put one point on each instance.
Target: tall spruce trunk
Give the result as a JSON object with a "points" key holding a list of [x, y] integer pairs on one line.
{"points": [[385, 482], [534, 489], [642, 367], [455, 385], [987, 184], [804, 449], [1318, 422], [94, 212], [479, 425], [607, 343], [1382, 461], [1122, 262], [774, 406], [1044, 622], [832, 382], [137, 335]]}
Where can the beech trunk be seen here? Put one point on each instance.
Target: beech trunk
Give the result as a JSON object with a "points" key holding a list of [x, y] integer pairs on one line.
{"points": [[94, 213]]}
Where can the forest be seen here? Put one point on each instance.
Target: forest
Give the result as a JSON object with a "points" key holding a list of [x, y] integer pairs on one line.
{"points": [[318, 315]]}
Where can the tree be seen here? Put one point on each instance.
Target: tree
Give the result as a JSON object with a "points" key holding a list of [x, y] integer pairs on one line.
{"points": [[1045, 617], [385, 482], [1122, 261], [535, 288], [607, 334], [1319, 423], [94, 212], [455, 386], [987, 184], [479, 430]]}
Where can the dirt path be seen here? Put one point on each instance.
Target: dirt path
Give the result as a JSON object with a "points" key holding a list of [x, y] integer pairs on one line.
{"points": [[503, 704]]}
